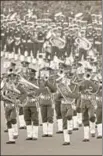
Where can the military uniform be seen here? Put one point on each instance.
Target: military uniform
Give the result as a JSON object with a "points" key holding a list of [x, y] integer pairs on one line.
{"points": [[57, 100], [17, 44], [24, 73], [69, 44], [23, 44], [31, 109], [46, 102], [98, 43], [99, 111], [29, 45], [40, 38], [3, 38], [67, 98], [9, 97], [87, 106]]}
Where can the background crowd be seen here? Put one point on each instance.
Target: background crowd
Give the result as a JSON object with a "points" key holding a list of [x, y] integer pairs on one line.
{"points": [[28, 28]]}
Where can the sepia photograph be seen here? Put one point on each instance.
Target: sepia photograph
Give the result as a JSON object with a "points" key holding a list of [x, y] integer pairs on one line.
{"points": [[51, 77]]}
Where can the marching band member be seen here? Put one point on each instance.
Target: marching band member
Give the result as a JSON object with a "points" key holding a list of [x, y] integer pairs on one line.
{"points": [[3, 38], [58, 106], [87, 86], [98, 40], [17, 44], [83, 44], [45, 101], [8, 95], [99, 111], [30, 108], [23, 45], [67, 98], [3, 80], [74, 88], [24, 73]]}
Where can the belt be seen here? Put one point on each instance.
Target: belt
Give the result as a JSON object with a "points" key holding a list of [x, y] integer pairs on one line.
{"points": [[9, 105], [66, 102], [86, 97]]}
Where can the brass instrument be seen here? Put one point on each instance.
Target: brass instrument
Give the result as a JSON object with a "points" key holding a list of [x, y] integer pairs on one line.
{"points": [[57, 42], [27, 83], [11, 94], [63, 89], [83, 43], [30, 89]]}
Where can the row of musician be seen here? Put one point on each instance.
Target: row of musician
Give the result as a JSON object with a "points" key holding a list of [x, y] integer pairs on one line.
{"points": [[71, 97]]}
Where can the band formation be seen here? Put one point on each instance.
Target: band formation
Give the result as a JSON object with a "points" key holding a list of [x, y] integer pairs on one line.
{"points": [[52, 67]]}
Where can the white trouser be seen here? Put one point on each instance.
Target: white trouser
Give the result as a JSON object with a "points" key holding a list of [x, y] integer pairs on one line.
{"points": [[10, 55], [16, 56], [22, 58], [92, 127], [26, 54], [11, 134], [29, 131], [35, 132], [21, 121], [99, 129], [79, 118], [15, 129], [2, 53], [6, 54], [40, 117], [66, 136], [45, 128], [60, 124], [50, 128], [70, 125], [86, 132], [75, 122]]}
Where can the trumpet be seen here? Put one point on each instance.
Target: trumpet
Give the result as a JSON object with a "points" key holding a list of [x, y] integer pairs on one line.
{"points": [[27, 83]]}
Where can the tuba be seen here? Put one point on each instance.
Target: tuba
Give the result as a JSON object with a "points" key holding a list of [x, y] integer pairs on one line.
{"points": [[83, 43], [58, 42]]}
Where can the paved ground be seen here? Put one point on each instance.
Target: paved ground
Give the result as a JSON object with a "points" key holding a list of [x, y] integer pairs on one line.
{"points": [[48, 146]]}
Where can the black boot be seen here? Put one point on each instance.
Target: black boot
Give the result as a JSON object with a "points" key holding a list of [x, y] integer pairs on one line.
{"points": [[29, 138], [6, 130], [24, 127], [85, 140], [75, 129], [34, 139], [99, 137], [45, 135], [66, 143], [59, 132], [10, 142]]}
